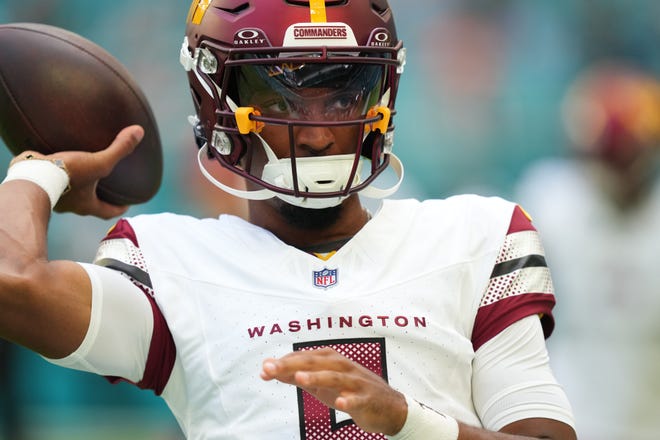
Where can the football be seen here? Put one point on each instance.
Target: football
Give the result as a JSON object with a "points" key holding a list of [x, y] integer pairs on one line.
{"points": [[60, 91]]}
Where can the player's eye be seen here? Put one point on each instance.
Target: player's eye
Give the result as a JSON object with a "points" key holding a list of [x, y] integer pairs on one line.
{"points": [[344, 103], [276, 106]]}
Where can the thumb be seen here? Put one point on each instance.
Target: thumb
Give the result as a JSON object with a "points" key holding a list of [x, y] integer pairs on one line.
{"points": [[123, 144]]}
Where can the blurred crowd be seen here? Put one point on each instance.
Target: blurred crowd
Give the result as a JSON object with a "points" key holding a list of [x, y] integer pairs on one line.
{"points": [[554, 104]]}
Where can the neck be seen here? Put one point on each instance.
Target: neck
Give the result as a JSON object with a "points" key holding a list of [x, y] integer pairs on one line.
{"points": [[272, 215]]}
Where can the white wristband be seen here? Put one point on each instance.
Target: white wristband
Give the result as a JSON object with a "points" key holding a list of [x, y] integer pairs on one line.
{"points": [[49, 175], [424, 423]]}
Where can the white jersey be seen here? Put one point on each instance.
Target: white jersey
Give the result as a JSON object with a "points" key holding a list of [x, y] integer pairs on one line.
{"points": [[412, 297]]}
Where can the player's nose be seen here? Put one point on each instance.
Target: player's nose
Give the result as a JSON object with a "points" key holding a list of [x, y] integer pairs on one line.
{"points": [[314, 140]]}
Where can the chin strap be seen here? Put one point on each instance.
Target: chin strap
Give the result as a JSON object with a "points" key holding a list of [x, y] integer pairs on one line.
{"points": [[380, 193], [262, 194]]}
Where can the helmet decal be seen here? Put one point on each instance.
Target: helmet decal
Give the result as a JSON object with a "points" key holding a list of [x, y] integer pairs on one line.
{"points": [[197, 10], [380, 37], [317, 11], [251, 37], [319, 34]]}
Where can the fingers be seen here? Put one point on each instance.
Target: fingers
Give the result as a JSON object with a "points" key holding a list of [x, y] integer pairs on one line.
{"points": [[269, 369], [324, 379], [323, 373], [123, 145], [350, 402], [340, 383], [86, 169], [285, 368], [318, 369]]}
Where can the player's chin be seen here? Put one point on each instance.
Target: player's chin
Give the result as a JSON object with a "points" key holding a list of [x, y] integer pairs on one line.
{"points": [[308, 218]]}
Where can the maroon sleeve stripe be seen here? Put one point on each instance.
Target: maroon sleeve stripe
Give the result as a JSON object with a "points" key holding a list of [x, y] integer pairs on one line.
{"points": [[162, 351], [520, 221], [161, 357], [501, 314], [122, 229], [519, 285], [162, 354]]}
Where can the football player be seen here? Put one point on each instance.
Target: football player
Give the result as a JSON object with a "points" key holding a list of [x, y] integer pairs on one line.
{"points": [[608, 180], [314, 318]]}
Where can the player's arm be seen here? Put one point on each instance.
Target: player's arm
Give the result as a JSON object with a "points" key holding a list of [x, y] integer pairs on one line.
{"points": [[45, 305]]}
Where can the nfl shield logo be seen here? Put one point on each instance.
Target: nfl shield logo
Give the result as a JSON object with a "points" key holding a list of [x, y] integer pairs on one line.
{"points": [[325, 278]]}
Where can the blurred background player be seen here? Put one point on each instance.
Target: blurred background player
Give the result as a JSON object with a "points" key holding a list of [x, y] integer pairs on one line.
{"points": [[599, 212]]}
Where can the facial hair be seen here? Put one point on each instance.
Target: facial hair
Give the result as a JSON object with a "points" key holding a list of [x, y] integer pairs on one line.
{"points": [[310, 219]]}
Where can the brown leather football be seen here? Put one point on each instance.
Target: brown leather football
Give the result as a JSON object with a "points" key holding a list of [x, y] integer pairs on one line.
{"points": [[60, 91]]}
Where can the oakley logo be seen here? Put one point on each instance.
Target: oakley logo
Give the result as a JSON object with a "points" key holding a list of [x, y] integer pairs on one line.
{"points": [[380, 38], [250, 38]]}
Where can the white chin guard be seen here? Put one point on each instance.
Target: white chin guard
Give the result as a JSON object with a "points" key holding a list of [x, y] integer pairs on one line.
{"points": [[320, 174]]}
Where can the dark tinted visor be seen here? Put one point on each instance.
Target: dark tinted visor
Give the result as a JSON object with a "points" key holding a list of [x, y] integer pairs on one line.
{"points": [[310, 90]]}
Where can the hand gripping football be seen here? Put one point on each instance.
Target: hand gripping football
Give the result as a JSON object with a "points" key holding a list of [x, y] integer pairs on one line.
{"points": [[59, 91]]}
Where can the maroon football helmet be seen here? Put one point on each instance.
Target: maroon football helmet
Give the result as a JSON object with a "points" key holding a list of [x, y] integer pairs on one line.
{"points": [[274, 52], [611, 112]]}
